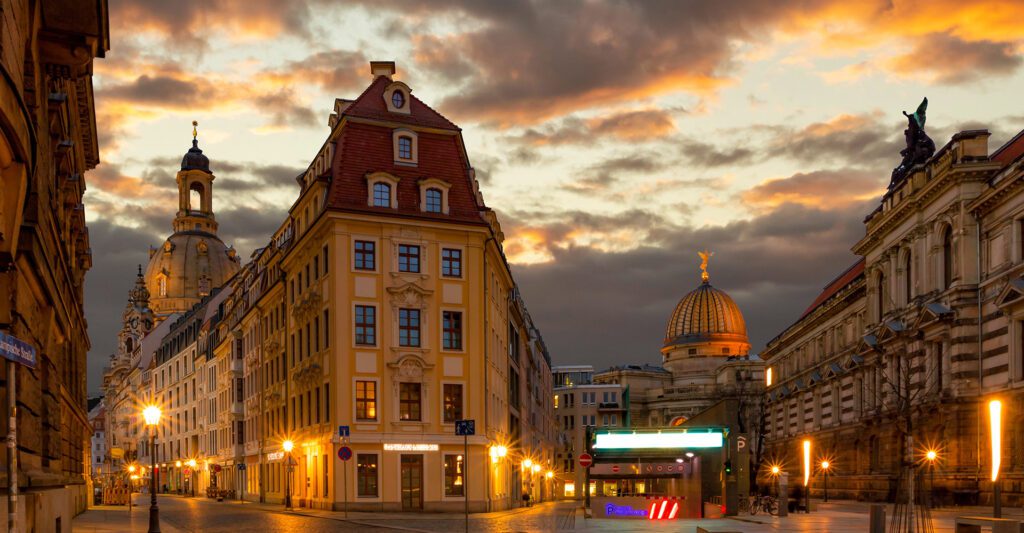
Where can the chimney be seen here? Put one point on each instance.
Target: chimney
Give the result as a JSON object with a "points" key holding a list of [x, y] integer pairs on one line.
{"points": [[382, 68]]}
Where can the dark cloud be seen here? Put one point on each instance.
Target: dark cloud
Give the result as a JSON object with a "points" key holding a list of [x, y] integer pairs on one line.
{"points": [[248, 228], [283, 109], [863, 140], [608, 307], [601, 176], [333, 70], [705, 155], [116, 251], [162, 90], [948, 59]]}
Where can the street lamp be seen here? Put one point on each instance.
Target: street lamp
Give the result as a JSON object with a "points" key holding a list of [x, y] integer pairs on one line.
{"points": [[995, 412], [931, 456], [288, 447], [824, 469], [807, 475], [177, 464], [192, 473], [152, 416]]}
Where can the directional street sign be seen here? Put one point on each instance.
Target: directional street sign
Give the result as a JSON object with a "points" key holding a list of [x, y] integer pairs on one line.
{"points": [[586, 460], [343, 431], [465, 427], [344, 453], [17, 350]]}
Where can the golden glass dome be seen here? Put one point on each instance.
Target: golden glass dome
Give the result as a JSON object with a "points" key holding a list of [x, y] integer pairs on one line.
{"points": [[706, 314]]}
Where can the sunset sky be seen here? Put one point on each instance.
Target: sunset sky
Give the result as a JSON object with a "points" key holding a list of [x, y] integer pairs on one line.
{"points": [[615, 139]]}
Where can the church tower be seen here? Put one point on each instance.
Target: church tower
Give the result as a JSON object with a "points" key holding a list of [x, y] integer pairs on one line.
{"points": [[193, 261]]}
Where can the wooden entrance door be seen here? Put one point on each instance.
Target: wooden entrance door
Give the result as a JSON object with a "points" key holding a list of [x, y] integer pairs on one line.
{"points": [[412, 482]]}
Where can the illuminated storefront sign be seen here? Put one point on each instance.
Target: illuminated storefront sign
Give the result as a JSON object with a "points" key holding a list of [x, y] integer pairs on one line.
{"points": [[676, 440], [641, 508], [275, 456], [410, 447]]}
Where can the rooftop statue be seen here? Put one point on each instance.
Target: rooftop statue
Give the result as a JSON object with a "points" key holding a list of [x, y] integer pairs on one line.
{"points": [[704, 256], [919, 145]]}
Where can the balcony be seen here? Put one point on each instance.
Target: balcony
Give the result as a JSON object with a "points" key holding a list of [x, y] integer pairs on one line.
{"points": [[610, 406]]}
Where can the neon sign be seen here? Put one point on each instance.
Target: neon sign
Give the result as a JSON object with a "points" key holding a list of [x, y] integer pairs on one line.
{"points": [[622, 510], [633, 441]]}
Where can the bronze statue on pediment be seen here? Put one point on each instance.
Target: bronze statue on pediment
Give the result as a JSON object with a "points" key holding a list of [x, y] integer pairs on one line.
{"points": [[919, 145]]}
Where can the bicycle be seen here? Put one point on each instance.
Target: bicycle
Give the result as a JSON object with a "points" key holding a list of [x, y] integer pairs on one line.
{"points": [[767, 504]]}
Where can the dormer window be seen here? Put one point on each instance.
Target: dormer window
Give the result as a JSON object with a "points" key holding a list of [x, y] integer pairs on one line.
{"points": [[382, 189], [433, 201], [404, 146], [434, 196], [405, 143], [381, 195], [398, 99]]}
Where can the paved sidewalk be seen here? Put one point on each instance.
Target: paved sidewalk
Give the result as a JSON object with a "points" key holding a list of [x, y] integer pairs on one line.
{"points": [[117, 519]]}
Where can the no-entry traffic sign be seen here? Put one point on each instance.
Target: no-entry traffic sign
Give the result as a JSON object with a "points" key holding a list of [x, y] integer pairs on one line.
{"points": [[344, 453], [586, 460]]}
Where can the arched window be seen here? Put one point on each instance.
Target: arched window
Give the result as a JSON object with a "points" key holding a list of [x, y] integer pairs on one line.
{"points": [[908, 281], [381, 194], [433, 201], [163, 286], [128, 345], [947, 257], [195, 197]]}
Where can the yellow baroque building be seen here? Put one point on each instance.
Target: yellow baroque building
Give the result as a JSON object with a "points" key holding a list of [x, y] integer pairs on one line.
{"points": [[383, 304]]}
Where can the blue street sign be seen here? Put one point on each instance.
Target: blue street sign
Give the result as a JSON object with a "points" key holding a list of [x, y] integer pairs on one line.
{"points": [[343, 431], [465, 427], [17, 350], [344, 453]]}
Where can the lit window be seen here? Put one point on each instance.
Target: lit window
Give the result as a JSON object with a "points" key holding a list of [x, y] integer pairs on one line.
{"points": [[404, 147], [163, 286], [398, 99], [381, 195], [409, 401], [367, 467], [452, 402], [366, 400], [453, 472]]}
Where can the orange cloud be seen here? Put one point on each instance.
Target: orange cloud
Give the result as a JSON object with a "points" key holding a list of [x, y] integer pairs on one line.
{"points": [[821, 189]]}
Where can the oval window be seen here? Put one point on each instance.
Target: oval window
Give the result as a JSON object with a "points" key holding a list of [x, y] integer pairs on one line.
{"points": [[398, 99]]}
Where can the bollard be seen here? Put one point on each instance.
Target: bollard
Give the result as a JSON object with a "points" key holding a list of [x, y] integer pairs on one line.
{"points": [[877, 523]]}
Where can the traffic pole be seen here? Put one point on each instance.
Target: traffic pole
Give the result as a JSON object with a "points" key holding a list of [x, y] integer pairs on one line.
{"points": [[465, 475], [12, 449]]}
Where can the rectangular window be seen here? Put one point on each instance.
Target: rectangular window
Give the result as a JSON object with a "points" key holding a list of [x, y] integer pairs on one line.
{"points": [[452, 337], [366, 255], [513, 388], [408, 327], [404, 147], [327, 402], [453, 472], [318, 405], [366, 325], [452, 402], [324, 256], [366, 400], [366, 464], [408, 258], [327, 330], [451, 263], [409, 401]]}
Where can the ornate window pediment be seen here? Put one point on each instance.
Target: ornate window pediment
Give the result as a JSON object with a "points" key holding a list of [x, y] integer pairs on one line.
{"points": [[409, 368], [1012, 294], [409, 295]]}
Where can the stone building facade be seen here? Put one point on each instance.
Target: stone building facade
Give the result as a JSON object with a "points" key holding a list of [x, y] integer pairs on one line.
{"points": [[47, 143], [383, 303], [894, 346]]}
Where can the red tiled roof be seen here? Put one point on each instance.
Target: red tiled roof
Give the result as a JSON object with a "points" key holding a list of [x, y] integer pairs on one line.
{"points": [[362, 149], [836, 285], [371, 105], [1011, 150]]}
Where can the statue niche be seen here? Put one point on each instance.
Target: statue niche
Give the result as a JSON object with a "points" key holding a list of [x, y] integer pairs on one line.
{"points": [[919, 145]]}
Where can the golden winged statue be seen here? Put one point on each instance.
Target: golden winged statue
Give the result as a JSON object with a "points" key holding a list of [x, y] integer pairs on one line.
{"points": [[704, 256]]}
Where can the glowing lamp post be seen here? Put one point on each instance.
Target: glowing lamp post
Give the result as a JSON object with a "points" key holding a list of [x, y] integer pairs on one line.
{"points": [[288, 447], [995, 412], [825, 465], [807, 475], [191, 477], [152, 416], [931, 456]]}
